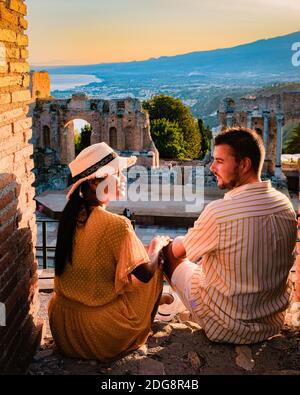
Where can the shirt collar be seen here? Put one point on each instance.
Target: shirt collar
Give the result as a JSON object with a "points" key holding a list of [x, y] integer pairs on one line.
{"points": [[247, 187]]}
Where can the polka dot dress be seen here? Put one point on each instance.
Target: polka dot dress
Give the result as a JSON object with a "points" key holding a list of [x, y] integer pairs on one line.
{"points": [[99, 309]]}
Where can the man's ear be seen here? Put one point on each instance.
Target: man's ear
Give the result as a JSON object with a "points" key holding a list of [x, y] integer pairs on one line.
{"points": [[245, 165]]}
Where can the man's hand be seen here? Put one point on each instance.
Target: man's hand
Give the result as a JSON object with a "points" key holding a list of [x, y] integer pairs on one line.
{"points": [[178, 249], [174, 254]]}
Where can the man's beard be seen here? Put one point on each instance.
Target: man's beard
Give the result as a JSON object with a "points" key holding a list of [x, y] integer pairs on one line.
{"points": [[233, 183]]}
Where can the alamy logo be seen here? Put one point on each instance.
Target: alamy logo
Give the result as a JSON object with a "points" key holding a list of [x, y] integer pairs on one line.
{"points": [[2, 314], [296, 56]]}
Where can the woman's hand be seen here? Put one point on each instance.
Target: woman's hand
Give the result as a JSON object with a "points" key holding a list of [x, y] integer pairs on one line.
{"points": [[145, 271]]}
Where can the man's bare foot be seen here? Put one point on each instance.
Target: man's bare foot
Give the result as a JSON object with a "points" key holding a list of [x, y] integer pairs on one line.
{"points": [[166, 299]]}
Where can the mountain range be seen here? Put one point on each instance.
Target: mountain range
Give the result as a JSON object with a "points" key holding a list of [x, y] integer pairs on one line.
{"points": [[201, 79]]}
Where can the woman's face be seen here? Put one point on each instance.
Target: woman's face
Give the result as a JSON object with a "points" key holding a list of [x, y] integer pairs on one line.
{"points": [[112, 188]]}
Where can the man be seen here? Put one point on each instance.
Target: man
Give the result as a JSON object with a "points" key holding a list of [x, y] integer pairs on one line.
{"points": [[238, 291]]}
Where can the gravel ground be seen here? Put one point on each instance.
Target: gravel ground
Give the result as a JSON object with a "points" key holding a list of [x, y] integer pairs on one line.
{"points": [[178, 347]]}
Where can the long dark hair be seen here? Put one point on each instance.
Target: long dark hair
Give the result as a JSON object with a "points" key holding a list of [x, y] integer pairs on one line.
{"points": [[67, 225]]}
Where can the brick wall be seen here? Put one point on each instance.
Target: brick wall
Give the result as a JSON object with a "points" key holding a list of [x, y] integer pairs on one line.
{"points": [[19, 326]]}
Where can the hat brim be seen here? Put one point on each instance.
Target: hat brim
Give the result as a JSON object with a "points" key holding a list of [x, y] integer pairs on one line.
{"points": [[117, 164]]}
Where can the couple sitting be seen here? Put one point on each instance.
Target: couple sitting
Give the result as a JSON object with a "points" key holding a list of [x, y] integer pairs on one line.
{"points": [[108, 286]]}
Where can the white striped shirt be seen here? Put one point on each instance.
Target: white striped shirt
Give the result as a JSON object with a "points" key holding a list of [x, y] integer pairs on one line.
{"points": [[240, 289]]}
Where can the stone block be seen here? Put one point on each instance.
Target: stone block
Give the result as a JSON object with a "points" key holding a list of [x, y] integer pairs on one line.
{"points": [[8, 212], [22, 124], [26, 81], [9, 81], [8, 35], [5, 98], [6, 164], [6, 132], [13, 53], [18, 6], [3, 68], [19, 67], [20, 96], [23, 154], [6, 231], [23, 22], [8, 16], [10, 116], [22, 40], [24, 53]]}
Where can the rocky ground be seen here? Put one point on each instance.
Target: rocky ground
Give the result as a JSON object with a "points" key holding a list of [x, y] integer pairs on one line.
{"points": [[177, 348]]}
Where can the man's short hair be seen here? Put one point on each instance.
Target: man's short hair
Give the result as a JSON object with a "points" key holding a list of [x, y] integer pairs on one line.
{"points": [[244, 143]]}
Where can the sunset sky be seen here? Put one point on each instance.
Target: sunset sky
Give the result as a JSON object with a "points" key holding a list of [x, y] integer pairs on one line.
{"points": [[101, 31]]}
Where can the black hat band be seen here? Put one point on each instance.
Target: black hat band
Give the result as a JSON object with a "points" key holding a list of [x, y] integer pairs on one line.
{"points": [[95, 167]]}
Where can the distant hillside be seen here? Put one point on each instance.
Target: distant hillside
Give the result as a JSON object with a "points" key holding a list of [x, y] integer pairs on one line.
{"points": [[279, 88], [264, 56], [200, 79]]}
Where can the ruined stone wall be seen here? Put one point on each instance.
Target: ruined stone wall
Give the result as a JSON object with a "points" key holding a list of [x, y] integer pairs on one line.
{"points": [[239, 112], [120, 123], [19, 326], [39, 84]]}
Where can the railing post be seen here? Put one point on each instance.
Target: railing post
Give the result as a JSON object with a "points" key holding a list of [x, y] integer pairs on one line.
{"points": [[44, 244]]}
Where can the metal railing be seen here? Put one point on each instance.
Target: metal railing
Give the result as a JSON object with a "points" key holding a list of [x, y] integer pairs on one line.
{"points": [[44, 247]]}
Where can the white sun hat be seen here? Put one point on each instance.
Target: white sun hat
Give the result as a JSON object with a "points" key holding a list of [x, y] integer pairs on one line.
{"points": [[97, 161]]}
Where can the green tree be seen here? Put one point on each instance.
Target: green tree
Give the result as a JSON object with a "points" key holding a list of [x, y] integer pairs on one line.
{"points": [[205, 136], [83, 139], [292, 145], [168, 138], [77, 141], [173, 110], [86, 132]]}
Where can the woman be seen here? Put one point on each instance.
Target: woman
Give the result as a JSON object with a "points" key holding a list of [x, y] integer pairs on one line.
{"points": [[107, 288]]}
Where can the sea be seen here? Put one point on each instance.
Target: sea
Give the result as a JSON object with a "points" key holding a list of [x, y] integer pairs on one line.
{"points": [[62, 82]]}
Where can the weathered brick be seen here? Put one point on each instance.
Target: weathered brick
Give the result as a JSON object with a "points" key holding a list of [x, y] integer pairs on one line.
{"points": [[27, 135], [10, 244], [22, 124], [18, 235], [5, 132], [11, 81], [6, 230], [10, 145], [26, 81], [22, 40], [20, 96], [13, 52], [8, 16], [24, 53], [5, 179], [9, 116], [3, 68], [23, 22], [19, 67], [6, 164], [5, 98], [17, 5], [8, 35], [7, 195], [8, 212], [22, 154]]}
